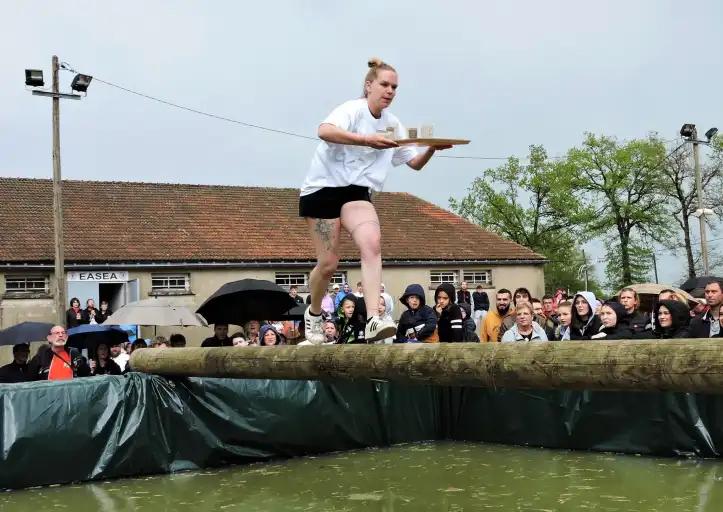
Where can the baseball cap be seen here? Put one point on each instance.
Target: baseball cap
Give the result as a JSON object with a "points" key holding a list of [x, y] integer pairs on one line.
{"points": [[335, 287]]}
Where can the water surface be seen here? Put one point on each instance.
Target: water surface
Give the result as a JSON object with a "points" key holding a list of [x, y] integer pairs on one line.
{"points": [[428, 476]]}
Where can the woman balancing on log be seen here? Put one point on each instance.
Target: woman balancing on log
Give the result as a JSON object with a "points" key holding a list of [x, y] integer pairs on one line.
{"points": [[353, 160]]}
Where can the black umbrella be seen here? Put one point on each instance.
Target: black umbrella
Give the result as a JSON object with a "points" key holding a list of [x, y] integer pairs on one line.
{"points": [[247, 299], [88, 336], [696, 285], [25, 332], [295, 313]]}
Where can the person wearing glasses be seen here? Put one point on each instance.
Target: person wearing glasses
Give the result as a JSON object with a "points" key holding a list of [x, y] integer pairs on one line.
{"points": [[56, 361]]}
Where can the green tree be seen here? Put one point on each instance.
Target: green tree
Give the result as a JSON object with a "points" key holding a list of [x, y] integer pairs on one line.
{"points": [[533, 205], [620, 185]]}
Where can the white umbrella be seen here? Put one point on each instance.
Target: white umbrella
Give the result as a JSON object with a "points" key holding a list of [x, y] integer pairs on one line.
{"points": [[158, 312]]}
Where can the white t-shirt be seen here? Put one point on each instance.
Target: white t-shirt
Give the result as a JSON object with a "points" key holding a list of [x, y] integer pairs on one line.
{"points": [[339, 165]]}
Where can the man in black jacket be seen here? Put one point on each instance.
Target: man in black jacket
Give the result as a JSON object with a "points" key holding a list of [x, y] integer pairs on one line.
{"points": [[463, 294], [220, 337], [709, 324], [17, 371], [481, 304]]}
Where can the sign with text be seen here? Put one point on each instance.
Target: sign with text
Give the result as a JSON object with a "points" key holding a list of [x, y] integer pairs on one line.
{"points": [[99, 276]]}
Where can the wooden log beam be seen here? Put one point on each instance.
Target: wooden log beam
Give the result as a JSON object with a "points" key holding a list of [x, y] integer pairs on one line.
{"points": [[691, 365]]}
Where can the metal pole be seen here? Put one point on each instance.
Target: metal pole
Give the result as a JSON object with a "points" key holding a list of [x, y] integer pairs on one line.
{"points": [[699, 191], [58, 204], [585, 263], [655, 267]]}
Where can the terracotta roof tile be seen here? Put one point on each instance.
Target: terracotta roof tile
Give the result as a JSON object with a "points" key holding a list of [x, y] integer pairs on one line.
{"points": [[121, 221]]}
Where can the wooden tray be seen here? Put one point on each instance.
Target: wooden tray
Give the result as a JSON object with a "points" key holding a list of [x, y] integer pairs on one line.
{"points": [[431, 141]]}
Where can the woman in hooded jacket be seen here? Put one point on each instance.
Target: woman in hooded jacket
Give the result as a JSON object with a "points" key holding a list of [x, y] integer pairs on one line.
{"points": [[672, 319], [269, 336], [449, 314], [585, 322], [614, 322]]}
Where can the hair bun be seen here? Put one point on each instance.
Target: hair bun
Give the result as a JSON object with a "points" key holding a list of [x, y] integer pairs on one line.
{"points": [[375, 62]]}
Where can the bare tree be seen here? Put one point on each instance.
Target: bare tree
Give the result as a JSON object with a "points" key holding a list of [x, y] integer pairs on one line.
{"points": [[680, 189]]}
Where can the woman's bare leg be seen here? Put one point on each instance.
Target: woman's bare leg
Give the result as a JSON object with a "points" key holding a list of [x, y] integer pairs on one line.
{"points": [[325, 236], [360, 219]]}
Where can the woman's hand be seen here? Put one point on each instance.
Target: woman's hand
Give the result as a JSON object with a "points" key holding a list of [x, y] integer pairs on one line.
{"points": [[379, 141]]}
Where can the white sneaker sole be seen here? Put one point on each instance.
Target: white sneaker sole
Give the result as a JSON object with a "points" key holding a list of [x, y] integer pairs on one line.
{"points": [[383, 333]]}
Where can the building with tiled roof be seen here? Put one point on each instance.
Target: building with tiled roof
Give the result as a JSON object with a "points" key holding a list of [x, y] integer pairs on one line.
{"points": [[189, 239]]}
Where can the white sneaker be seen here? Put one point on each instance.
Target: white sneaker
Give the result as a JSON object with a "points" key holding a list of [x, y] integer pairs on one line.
{"points": [[313, 328], [378, 329]]}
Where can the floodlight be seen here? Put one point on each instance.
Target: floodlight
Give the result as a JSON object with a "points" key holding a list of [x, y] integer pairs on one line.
{"points": [[711, 133], [34, 77], [81, 82], [687, 130]]}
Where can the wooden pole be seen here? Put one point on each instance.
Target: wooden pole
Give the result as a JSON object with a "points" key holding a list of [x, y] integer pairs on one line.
{"points": [[58, 204], [690, 365]]}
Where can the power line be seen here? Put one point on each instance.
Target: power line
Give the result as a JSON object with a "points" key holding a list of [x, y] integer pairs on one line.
{"points": [[66, 67]]}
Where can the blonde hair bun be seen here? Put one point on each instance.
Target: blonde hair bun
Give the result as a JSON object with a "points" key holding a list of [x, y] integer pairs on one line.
{"points": [[375, 62]]}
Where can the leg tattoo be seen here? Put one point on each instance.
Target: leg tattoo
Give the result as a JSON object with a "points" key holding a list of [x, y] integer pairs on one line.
{"points": [[324, 229]]}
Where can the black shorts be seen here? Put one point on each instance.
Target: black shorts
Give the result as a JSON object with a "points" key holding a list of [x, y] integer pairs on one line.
{"points": [[327, 202]]}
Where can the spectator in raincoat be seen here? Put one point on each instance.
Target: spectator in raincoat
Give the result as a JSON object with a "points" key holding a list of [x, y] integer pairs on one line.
{"points": [[449, 314], [350, 324], [419, 322], [614, 322], [585, 322]]}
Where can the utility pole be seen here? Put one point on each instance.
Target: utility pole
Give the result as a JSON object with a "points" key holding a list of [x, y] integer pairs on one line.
{"points": [[34, 80], [58, 203], [584, 258], [699, 192], [655, 267]]}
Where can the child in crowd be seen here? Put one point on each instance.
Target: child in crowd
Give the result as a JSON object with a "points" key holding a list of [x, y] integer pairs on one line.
{"points": [[383, 312], [469, 328], [564, 315], [419, 322], [449, 314], [349, 325]]}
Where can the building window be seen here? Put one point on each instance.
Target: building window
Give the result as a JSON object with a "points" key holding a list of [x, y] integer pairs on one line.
{"points": [[339, 278], [477, 277], [170, 283], [437, 277], [288, 279], [27, 284]]}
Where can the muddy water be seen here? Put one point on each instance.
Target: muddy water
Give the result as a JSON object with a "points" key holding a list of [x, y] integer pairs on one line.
{"points": [[433, 476]]}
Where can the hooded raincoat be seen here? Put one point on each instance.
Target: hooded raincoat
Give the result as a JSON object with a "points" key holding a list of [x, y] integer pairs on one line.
{"points": [[449, 321], [583, 329], [351, 330], [621, 330], [415, 324]]}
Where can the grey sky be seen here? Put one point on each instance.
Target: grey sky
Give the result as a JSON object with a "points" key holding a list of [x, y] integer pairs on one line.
{"points": [[504, 74]]}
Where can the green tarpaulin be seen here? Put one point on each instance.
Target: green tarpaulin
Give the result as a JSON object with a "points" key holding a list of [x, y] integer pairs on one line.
{"points": [[106, 427]]}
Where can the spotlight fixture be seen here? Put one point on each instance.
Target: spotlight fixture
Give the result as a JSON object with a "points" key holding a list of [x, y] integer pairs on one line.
{"points": [[81, 82], [711, 133], [34, 77], [688, 130]]}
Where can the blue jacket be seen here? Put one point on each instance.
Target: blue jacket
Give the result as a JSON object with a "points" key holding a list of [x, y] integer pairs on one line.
{"points": [[421, 321]]}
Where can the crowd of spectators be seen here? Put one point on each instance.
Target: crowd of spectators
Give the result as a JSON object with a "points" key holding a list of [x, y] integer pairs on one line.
{"points": [[457, 315]]}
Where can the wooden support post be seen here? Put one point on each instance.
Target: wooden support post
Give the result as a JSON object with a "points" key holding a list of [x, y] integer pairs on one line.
{"points": [[691, 365]]}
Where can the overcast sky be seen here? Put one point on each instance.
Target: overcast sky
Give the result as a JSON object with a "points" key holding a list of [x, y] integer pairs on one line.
{"points": [[504, 74]]}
